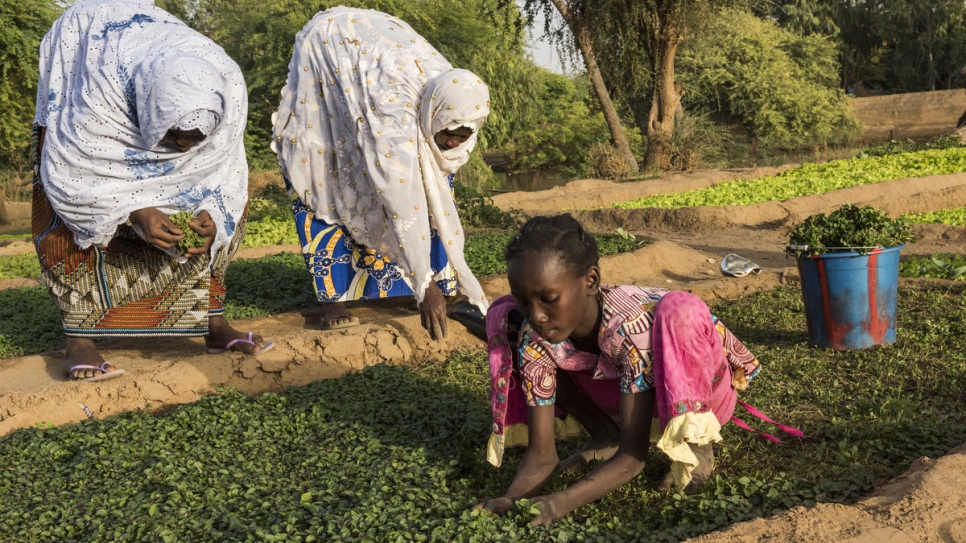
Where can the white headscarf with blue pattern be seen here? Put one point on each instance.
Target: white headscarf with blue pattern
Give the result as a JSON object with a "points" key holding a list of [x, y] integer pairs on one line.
{"points": [[115, 77]]}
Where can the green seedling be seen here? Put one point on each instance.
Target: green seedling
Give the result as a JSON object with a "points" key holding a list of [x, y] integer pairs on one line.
{"points": [[191, 238]]}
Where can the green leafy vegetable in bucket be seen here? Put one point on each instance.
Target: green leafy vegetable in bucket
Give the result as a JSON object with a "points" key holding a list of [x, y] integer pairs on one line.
{"points": [[191, 239], [850, 228]]}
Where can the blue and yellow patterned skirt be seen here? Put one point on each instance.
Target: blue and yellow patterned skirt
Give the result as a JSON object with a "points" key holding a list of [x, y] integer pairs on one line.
{"points": [[343, 270]]}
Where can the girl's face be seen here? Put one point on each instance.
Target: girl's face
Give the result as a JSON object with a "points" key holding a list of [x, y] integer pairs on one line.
{"points": [[558, 303]]}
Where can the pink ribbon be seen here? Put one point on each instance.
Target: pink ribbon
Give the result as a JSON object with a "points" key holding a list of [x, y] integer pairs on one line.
{"points": [[756, 413]]}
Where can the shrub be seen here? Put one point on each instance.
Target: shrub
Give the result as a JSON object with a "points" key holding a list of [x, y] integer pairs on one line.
{"points": [[606, 161]]}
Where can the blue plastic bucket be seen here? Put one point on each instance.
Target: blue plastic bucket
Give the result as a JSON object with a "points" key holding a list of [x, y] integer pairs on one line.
{"points": [[850, 299]]}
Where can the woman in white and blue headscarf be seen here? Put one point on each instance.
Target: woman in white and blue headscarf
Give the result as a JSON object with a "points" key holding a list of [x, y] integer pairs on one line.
{"points": [[138, 117], [372, 125]]}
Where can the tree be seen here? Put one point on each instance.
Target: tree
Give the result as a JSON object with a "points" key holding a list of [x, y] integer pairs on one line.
{"points": [[891, 45], [782, 86], [568, 127], [635, 44], [579, 17], [926, 45], [23, 24]]}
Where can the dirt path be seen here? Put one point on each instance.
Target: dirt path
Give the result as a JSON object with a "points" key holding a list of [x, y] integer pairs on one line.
{"points": [[925, 505]]}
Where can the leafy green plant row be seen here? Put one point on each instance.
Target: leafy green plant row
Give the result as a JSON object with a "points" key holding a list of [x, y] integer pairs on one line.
{"points": [[396, 454], [941, 266], [19, 266], [955, 217], [813, 179]]}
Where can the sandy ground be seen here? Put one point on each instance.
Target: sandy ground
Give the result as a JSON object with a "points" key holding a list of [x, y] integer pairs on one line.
{"points": [[927, 504]]}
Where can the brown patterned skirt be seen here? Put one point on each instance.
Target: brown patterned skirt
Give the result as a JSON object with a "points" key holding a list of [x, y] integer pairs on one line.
{"points": [[129, 288]]}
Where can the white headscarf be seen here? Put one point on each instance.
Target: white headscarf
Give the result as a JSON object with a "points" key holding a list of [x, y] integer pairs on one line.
{"points": [[355, 132], [115, 77]]}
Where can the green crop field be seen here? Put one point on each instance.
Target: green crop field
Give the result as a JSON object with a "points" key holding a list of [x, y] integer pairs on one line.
{"points": [[396, 454], [813, 179]]}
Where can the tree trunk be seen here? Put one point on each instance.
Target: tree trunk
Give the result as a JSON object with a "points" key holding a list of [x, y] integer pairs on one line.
{"points": [[667, 98], [585, 44]]}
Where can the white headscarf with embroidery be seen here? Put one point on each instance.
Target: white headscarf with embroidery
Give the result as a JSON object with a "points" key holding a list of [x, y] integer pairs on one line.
{"points": [[115, 77], [355, 132]]}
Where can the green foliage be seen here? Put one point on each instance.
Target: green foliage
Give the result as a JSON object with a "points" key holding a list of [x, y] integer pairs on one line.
{"points": [[955, 216], [484, 251], [781, 85], [476, 210], [19, 234], [266, 286], [270, 219], [925, 46], [271, 231], [948, 141], [18, 266], [29, 322], [941, 266], [23, 24], [893, 45], [698, 142], [850, 228], [568, 126], [395, 454], [191, 238], [813, 179], [271, 202]]}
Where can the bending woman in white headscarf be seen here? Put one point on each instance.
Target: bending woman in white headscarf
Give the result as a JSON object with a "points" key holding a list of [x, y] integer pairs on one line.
{"points": [[138, 117], [372, 125]]}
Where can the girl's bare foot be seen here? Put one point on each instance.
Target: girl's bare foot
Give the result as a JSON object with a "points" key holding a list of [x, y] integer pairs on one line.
{"points": [[594, 450], [84, 361], [221, 335]]}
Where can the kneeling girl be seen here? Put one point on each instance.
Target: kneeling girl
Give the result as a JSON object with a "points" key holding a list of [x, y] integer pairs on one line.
{"points": [[613, 359]]}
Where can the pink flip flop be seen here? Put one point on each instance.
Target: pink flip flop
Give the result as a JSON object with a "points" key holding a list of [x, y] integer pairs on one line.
{"points": [[268, 346], [104, 375]]}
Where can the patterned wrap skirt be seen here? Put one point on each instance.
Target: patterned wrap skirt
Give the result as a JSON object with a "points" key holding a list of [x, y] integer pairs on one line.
{"points": [[343, 270], [130, 288]]}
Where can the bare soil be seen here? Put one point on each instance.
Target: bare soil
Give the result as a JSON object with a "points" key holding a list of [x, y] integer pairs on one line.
{"points": [[926, 504]]}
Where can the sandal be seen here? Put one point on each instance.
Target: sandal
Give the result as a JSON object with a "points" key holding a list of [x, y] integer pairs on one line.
{"points": [[218, 350], [104, 375]]}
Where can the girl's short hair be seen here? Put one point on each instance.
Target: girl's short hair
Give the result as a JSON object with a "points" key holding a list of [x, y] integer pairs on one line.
{"points": [[560, 234]]}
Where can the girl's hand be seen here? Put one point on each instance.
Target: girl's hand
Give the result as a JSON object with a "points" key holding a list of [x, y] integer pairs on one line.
{"points": [[205, 227], [495, 505], [156, 228], [549, 511]]}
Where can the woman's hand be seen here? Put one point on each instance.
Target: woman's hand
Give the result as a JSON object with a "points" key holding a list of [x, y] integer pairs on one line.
{"points": [[495, 505], [156, 228], [432, 312], [205, 227]]}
